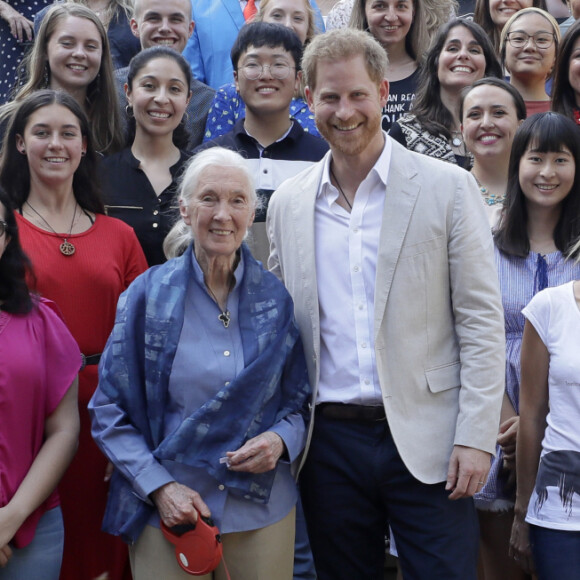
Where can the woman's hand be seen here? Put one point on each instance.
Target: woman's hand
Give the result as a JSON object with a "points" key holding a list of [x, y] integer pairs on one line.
{"points": [[177, 504], [258, 455], [520, 549], [20, 27], [508, 433], [9, 525]]}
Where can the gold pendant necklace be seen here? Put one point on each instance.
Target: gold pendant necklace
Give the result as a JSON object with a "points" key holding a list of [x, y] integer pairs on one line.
{"points": [[66, 248]]}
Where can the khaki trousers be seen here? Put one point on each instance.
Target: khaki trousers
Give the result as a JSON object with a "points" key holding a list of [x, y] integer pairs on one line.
{"points": [[264, 554]]}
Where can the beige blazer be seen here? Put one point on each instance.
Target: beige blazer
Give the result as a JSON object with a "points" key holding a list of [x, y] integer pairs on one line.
{"points": [[438, 318]]}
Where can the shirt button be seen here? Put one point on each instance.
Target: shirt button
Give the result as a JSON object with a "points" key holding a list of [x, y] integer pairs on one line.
{"points": [[360, 306], [221, 487], [367, 382], [226, 353], [355, 230], [227, 383], [264, 171], [363, 344], [355, 268], [155, 225], [156, 212]]}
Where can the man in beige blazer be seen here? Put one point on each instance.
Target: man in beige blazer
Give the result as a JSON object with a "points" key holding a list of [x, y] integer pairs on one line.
{"points": [[389, 259]]}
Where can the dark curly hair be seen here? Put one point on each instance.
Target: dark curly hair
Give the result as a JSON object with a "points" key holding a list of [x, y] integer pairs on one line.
{"points": [[14, 266]]}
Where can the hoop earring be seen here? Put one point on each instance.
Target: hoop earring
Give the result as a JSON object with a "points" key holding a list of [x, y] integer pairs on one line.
{"points": [[129, 111]]}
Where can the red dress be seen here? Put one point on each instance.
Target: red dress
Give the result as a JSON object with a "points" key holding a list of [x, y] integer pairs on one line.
{"points": [[86, 287]]}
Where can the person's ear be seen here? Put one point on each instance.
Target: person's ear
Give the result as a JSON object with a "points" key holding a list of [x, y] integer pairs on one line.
{"points": [[134, 27], [20, 144]]}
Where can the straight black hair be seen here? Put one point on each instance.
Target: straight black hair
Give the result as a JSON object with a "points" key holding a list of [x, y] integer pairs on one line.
{"points": [[546, 133]]}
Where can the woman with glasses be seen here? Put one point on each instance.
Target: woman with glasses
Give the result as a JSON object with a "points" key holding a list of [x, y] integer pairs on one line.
{"points": [[39, 420], [528, 49]]}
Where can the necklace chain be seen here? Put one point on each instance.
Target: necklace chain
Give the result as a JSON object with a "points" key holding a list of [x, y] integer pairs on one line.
{"points": [[340, 189], [224, 316], [66, 248]]}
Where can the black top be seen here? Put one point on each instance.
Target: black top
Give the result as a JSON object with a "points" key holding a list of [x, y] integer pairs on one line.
{"points": [[129, 196], [401, 97]]}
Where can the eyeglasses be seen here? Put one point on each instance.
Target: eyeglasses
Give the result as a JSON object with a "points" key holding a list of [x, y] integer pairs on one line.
{"points": [[279, 70], [540, 39], [3, 227]]}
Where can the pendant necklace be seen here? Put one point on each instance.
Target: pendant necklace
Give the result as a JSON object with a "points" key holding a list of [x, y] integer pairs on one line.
{"points": [[66, 248], [340, 189], [224, 316]]}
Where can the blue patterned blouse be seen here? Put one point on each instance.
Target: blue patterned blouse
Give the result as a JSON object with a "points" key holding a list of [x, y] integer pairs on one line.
{"points": [[520, 279]]}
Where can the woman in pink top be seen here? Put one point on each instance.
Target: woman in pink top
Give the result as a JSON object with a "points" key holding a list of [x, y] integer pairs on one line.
{"points": [[39, 421]]}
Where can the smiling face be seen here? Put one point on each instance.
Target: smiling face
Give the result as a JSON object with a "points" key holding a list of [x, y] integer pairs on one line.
{"points": [[490, 121], [347, 106], [290, 13], [529, 60], [159, 97], [266, 94], [461, 61], [74, 54], [53, 143], [574, 70], [389, 20], [163, 23], [501, 10], [219, 212], [546, 178]]}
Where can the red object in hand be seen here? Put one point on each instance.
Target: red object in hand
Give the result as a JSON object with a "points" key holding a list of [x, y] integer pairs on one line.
{"points": [[198, 548]]}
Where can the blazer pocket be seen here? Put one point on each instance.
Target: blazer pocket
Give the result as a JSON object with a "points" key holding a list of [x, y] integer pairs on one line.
{"points": [[424, 247], [443, 378]]}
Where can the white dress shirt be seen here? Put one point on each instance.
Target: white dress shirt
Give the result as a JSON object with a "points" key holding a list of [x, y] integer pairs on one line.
{"points": [[346, 247]]}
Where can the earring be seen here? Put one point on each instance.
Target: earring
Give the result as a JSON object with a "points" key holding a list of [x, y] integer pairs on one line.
{"points": [[46, 76], [129, 111]]}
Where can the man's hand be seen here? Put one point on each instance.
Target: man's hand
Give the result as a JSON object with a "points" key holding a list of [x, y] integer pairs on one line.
{"points": [[468, 469], [258, 455], [177, 504]]}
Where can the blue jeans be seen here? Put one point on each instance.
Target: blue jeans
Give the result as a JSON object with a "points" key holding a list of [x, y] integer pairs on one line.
{"points": [[43, 556], [556, 553]]}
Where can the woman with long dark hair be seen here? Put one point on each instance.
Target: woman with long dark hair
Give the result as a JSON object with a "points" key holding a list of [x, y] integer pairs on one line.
{"points": [[534, 240], [39, 422], [140, 182], [83, 260], [460, 55]]}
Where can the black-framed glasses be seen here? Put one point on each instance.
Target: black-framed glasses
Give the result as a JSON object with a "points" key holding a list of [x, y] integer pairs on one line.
{"points": [[279, 70], [3, 227], [540, 39]]}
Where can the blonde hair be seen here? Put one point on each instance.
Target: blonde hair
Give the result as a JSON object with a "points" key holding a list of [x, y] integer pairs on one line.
{"points": [[341, 44], [530, 10], [101, 101], [310, 33]]}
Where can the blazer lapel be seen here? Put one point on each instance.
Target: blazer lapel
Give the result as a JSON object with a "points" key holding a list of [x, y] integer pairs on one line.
{"points": [[401, 196], [233, 7], [303, 219]]}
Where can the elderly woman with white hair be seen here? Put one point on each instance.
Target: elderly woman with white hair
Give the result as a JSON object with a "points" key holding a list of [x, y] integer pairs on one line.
{"points": [[201, 389]]}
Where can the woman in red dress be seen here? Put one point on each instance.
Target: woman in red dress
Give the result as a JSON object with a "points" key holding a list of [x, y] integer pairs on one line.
{"points": [[83, 260]]}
